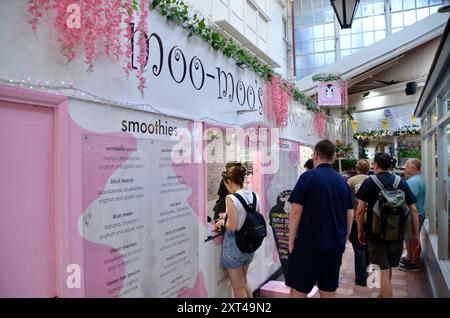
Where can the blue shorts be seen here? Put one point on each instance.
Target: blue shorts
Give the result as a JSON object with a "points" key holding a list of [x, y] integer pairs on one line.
{"points": [[232, 257], [308, 268]]}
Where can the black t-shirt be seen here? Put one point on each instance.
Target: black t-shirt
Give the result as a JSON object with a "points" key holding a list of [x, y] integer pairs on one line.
{"points": [[369, 191], [326, 198]]}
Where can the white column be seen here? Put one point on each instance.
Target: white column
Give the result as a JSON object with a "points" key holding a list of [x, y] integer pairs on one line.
{"points": [[396, 150]]}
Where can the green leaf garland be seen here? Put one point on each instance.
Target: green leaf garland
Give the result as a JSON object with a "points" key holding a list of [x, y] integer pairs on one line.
{"points": [[381, 134]]}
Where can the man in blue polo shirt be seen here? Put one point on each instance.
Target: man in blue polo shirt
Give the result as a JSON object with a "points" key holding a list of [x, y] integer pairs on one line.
{"points": [[319, 225]]}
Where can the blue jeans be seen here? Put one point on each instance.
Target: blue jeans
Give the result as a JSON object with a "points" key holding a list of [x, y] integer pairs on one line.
{"points": [[361, 254]]}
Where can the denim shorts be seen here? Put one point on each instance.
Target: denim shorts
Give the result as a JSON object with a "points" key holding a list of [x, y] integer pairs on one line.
{"points": [[232, 257]]}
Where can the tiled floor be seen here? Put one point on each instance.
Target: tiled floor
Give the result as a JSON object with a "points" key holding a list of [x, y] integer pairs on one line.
{"points": [[405, 284]]}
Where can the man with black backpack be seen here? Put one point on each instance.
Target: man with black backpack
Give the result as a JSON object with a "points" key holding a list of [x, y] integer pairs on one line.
{"points": [[390, 202]]}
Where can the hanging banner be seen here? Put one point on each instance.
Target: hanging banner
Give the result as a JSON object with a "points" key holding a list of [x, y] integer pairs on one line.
{"points": [[329, 94], [337, 125], [338, 122], [384, 124], [354, 125]]}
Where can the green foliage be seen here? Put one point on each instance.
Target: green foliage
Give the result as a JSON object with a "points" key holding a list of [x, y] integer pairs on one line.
{"points": [[407, 154], [135, 5], [346, 164], [344, 150], [326, 77]]}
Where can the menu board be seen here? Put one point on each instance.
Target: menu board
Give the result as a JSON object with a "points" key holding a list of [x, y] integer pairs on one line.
{"points": [[139, 226], [279, 221]]}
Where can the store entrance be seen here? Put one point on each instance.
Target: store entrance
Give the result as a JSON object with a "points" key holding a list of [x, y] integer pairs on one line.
{"points": [[27, 222]]}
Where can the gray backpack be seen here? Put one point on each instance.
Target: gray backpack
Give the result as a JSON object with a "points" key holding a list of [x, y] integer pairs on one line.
{"points": [[390, 213]]}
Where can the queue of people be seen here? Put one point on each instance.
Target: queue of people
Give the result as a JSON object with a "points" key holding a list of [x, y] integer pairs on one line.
{"points": [[380, 214]]}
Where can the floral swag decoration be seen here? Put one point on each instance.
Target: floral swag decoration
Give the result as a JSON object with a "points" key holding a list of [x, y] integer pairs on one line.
{"points": [[104, 23], [382, 134]]}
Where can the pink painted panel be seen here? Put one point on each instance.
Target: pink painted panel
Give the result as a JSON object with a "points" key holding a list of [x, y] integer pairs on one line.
{"points": [[27, 229]]}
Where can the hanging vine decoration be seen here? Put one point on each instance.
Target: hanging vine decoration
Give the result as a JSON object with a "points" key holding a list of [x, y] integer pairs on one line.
{"points": [[277, 98], [129, 12], [344, 93], [319, 121], [112, 28], [142, 43], [105, 20]]}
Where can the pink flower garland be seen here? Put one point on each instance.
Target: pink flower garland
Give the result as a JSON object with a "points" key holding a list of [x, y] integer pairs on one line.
{"points": [[108, 18], [128, 35], [319, 122], [35, 11], [142, 43], [344, 93], [70, 38], [92, 23], [278, 99], [112, 28]]}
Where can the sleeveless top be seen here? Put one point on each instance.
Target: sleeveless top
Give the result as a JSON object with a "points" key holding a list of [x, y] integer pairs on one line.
{"points": [[240, 211]]}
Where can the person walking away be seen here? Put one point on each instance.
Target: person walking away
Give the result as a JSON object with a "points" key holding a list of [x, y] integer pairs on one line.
{"points": [[319, 225], [416, 182], [309, 164], [360, 251], [220, 207], [385, 254], [234, 261]]}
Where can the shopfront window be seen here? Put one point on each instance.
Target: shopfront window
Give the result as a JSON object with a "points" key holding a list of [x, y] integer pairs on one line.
{"points": [[446, 218], [431, 119], [442, 188], [443, 224], [436, 177], [424, 123]]}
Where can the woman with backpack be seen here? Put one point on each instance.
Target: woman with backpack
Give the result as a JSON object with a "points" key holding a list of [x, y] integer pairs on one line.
{"points": [[234, 261]]}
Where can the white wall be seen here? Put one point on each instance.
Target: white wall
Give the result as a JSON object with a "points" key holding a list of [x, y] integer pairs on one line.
{"points": [[241, 14]]}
